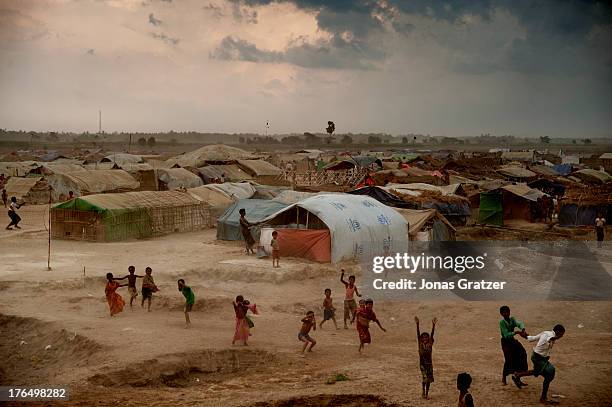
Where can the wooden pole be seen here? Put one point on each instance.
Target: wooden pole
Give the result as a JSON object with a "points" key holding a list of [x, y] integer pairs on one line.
{"points": [[49, 243]]}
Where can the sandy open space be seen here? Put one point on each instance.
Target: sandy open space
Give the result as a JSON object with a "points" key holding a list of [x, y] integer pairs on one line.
{"points": [[139, 357]]}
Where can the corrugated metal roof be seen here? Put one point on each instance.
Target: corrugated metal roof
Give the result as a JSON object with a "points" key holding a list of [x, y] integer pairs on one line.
{"points": [[524, 191]]}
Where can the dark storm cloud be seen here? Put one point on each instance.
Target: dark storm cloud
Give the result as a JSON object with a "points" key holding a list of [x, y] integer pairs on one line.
{"points": [[241, 50], [556, 32], [349, 23], [335, 54], [154, 21]]}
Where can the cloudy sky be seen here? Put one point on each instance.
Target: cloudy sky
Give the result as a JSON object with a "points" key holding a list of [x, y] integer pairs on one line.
{"points": [[448, 68]]}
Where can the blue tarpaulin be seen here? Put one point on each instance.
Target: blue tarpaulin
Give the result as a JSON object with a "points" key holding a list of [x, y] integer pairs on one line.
{"points": [[547, 186], [574, 215], [456, 213], [563, 169], [228, 225]]}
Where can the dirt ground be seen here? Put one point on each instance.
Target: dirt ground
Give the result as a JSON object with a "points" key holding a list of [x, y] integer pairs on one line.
{"points": [[138, 358]]}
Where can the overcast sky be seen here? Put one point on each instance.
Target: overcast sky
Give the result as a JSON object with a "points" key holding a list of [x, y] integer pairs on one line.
{"points": [[453, 68]]}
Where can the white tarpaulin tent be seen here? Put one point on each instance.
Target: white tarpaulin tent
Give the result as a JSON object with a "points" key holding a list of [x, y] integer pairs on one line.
{"points": [[291, 197], [358, 225]]}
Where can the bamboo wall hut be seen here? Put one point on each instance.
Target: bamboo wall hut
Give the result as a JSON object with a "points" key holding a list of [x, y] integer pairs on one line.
{"points": [[130, 215]]}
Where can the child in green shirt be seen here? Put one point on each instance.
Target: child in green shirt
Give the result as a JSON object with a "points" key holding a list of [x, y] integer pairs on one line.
{"points": [[189, 300]]}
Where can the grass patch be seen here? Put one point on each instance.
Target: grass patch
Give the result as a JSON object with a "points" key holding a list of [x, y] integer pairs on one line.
{"points": [[338, 377]]}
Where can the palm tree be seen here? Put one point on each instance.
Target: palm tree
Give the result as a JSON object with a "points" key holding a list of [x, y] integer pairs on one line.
{"points": [[331, 127]]}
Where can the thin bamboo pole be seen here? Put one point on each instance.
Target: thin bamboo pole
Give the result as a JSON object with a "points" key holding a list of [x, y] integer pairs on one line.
{"points": [[49, 243]]}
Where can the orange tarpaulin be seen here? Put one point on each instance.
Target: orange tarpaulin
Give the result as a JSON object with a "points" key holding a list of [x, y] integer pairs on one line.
{"points": [[310, 244]]}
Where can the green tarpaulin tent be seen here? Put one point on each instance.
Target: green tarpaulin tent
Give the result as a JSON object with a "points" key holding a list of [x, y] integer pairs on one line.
{"points": [[491, 211]]}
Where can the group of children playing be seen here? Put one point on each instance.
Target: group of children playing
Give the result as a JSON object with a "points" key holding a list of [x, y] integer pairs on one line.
{"points": [[514, 354], [115, 301]]}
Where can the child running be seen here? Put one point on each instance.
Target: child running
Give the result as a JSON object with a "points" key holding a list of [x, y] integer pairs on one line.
{"points": [[308, 323], [241, 307], [131, 283], [361, 307], [426, 342], [540, 359], [148, 288], [464, 381], [329, 312], [189, 300], [350, 307], [364, 316], [12, 213], [115, 301], [275, 250]]}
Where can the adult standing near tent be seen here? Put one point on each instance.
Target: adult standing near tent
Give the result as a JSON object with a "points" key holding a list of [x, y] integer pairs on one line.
{"points": [[515, 356], [12, 213], [4, 197], [245, 228], [600, 224]]}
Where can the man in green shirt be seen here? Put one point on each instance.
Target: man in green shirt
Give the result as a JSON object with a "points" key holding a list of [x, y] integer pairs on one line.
{"points": [[189, 300], [515, 356]]}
